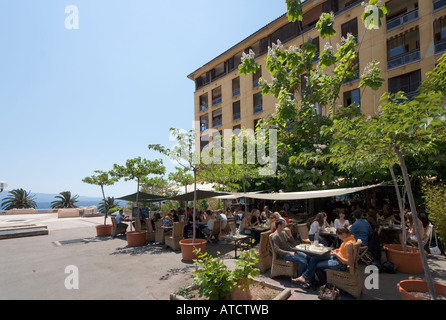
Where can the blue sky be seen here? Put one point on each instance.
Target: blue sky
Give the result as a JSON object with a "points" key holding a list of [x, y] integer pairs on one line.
{"points": [[75, 101]]}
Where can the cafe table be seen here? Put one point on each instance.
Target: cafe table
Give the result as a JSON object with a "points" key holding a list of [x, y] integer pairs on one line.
{"points": [[313, 250], [330, 232], [256, 231], [236, 239]]}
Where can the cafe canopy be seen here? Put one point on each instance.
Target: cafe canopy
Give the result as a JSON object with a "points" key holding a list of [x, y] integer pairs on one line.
{"points": [[298, 195], [142, 197]]}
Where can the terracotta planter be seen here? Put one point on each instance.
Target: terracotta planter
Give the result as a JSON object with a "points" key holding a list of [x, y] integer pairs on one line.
{"points": [[406, 262], [187, 248], [136, 238], [104, 230], [239, 294], [406, 286]]}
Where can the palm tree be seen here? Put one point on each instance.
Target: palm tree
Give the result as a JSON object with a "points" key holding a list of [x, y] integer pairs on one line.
{"points": [[65, 201], [19, 199], [109, 204]]}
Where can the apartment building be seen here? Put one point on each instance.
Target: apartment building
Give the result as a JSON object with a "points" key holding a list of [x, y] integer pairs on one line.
{"points": [[408, 45]]}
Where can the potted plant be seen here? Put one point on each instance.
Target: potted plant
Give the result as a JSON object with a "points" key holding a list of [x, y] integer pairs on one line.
{"points": [[418, 290], [244, 274], [186, 156], [102, 179], [137, 169]]}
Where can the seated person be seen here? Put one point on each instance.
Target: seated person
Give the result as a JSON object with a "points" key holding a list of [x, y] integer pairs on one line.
{"points": [[276, 217], [174, 215], [167, 221], [256, 220], [119, 218], [246, 223], [339, 259], [320, 222], [361, 229], [224, 219], [210, 224], [283, 246], [411, 235], [340, 221]]}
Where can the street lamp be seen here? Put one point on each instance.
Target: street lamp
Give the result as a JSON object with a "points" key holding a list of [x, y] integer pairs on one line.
{"points": [[3, 185]]}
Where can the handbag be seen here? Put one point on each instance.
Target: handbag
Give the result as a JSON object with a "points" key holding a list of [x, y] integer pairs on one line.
{"points": [[329, 292], [434, 250]]}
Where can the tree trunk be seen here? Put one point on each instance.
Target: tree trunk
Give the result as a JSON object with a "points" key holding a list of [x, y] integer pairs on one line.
{"points": [[194, 232], [105, 205], [400, 205], [416, 223]]}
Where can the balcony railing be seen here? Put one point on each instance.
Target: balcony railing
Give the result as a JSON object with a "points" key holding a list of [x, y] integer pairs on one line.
{"points": [[403, 19], [404, 59], [216, 123], [216, 101], [203, 107], [440, 47], [236, 92], [258, 108], [236, 116], [438, 4], [203, 127]]}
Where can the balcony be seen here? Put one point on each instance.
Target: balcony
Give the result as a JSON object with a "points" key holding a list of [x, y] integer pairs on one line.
{"points": [[402, 19], [258, 108], [438, 4], [236, 116], [236, 92], [440, 47], [203, 127], [216, 123], [216, 101], [403, 59], [203, 107]]}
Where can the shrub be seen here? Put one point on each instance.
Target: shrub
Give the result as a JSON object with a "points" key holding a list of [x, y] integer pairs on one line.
{"points": [[434, 196]]}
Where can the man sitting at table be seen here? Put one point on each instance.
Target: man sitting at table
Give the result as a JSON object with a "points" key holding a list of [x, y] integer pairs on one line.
{"points": [[119, 218], [283, 246], [361, 229]]}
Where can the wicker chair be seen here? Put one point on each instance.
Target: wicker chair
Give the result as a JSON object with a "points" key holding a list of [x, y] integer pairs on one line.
{"points": [[264, 263], [349, 280], [138, 225], [427, 233], [303, 232], [159, 232], [173, 241], [214, 232], [115, 229], [280, 267], [150, 235]]}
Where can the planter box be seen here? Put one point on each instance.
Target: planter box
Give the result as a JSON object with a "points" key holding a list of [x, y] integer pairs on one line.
{"points": [[406, 262], [284, 294], [406, 286]]}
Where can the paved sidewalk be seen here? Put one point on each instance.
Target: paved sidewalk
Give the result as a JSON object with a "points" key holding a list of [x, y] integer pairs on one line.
{"points": [[35, 267]]}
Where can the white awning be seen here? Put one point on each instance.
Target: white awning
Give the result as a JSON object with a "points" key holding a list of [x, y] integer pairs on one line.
{"points": [[299, 195]]}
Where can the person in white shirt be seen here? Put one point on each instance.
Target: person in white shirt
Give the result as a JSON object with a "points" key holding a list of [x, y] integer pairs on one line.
{"points": [[121, 217], [340, 221]]}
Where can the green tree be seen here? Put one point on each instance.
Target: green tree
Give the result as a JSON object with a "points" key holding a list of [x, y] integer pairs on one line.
{"points": [[101, 179], [65, 200], [19, 199], [107, 205], [138, 169]]}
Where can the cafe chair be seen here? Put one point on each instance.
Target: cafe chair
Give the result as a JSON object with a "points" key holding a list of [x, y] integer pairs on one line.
{"points": [[350, 279], [213, 235], [173, 241], [138, 225], [365, 255], [117, 230], [303, 233], [227, 228], [280, 267], [264, 263], [159, 232], [150, 235], [426, 236]]}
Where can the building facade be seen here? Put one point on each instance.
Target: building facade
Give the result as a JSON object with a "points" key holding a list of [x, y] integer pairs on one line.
{"points": [[408, 45]]}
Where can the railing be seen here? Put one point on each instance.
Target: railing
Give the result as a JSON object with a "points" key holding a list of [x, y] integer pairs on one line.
{"points": [[216, 123], [255, 83], [216, 101], [203, 107], [236, 116], [439, 4], [204, 127], [258, 108], [402, 19], [404, 59], [440, 47], [236, 92]]}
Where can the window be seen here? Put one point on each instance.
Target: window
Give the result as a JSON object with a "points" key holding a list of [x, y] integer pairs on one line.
{"points": [[407, 83], [204, 122], [218, 71], [204, 102], [202, 80], [236, 129], [217, 118], [286, 33], [350, 27], [216, 96], [352, 97], [440, 35], [255, 77], [204, 141], [234, 62], [236, 87], [258, 102], [403, 49], [236, 110]]}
